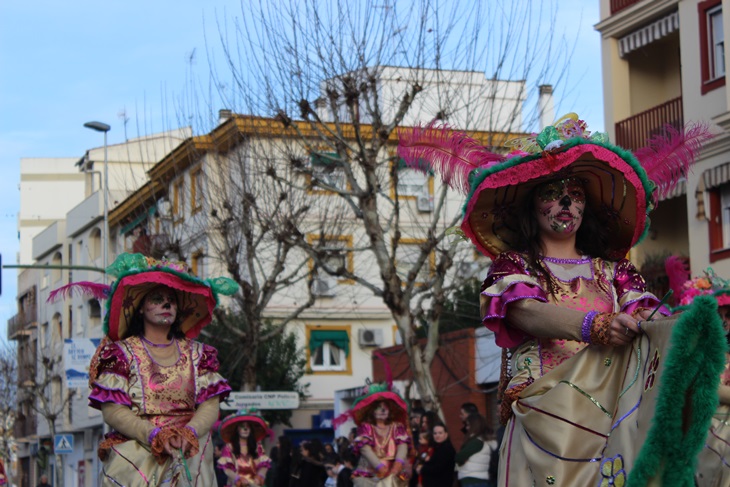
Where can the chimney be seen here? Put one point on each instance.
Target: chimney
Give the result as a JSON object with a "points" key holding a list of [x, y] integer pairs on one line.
{"points": [[546, 106], [223, 115]]}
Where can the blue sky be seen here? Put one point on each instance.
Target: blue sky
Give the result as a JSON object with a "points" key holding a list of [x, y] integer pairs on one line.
{"points": [[65, 63]]}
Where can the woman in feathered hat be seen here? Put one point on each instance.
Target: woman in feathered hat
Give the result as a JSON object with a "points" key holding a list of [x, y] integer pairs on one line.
{"points": [[558, 215], [157, 389], [713, 462], [243, 459], [3, 477], [382, 438]]}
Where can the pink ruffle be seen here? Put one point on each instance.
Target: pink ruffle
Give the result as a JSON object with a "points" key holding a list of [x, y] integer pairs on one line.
{"points": [[99, 396], [208, 360], [264, 464], [494, 317], [220, 388], [112, 360]]}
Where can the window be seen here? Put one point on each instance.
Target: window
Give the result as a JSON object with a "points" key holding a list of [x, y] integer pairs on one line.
{"points": [[178, 200], [329, 349], [337, 251], [712, 45], [196, 264], [79, 321], [406, 258], [196, 190], [719, 222], [412, 183], [56, 271], [327, 173], [95, 244]]}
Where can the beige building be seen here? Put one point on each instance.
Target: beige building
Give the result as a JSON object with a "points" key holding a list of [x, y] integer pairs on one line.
{"points": [[664, 63]]}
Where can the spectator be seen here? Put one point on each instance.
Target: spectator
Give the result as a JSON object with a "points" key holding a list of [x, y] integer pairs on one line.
{"points": [[329, 453], [344, 476], [273, 470], [467, 409], [332, 468], [438, 470], [473, 459], [312, 472], [44, 481], [283, 463]]}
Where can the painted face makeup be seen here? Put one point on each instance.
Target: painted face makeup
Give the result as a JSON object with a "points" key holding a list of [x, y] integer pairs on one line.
{"points": [[244, 430], [560, 205], [382, 411], [160, 307]]}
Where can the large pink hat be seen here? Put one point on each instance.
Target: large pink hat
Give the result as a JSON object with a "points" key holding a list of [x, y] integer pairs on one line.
{"points": [[621, 187], [229, 425]]}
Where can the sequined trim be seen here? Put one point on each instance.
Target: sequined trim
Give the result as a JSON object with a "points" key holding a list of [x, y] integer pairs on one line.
{"points": [[591, 398], [585, 329], [583, 260], [601, 328]]}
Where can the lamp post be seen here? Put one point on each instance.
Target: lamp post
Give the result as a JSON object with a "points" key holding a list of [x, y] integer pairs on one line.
{"points": [[102, 127]]}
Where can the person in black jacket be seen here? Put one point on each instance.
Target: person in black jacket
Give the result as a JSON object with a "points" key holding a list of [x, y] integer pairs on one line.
{"points": [[438, 471]]}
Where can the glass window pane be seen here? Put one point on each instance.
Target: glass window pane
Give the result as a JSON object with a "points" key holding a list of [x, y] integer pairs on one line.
{"points": [[318, 357]]}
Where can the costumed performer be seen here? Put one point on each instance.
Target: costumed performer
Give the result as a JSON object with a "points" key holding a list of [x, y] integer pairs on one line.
{"points": [[382, 439], [157, 389], [243, 458], [3, 477], [558, 215], [713, 462]]}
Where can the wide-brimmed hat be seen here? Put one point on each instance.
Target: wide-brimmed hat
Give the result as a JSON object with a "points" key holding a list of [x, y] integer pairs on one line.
{"points": [[229, 425], [136, 276], [621, 187], [687, 289], [376, 393]]}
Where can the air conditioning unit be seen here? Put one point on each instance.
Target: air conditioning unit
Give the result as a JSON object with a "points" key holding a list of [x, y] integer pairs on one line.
{"points": [[323, 286], [424, 203], [370, 338]]}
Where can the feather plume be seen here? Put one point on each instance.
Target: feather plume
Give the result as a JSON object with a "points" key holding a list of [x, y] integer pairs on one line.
{"points": [[388, 371], [677, 269], [669, 156], [453, 155], [342, 419], [81, 288]]}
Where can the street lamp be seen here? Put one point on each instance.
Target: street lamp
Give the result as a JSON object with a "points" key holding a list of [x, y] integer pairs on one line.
{"points": [[102, 127]]}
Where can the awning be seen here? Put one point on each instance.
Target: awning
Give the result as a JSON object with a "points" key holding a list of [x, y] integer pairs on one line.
{"points": [[646, 35], [679, 190], [339, 338], [716, 176], [140, 218]]}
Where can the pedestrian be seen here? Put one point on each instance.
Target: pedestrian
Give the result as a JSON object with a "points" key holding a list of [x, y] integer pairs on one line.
{"points": [[273, 471], [332, 467], [243, 458], [558, 216], [220, 475], [311, 468], [344, 476], [329, 453], [438, 469], [44, 481], [466, 409], [473, 458], [283, 463], [157, 389]]}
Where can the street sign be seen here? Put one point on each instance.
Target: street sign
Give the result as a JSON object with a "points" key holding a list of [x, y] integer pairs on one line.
{"points": [[77, 353], [261, 400], [63, 444]]}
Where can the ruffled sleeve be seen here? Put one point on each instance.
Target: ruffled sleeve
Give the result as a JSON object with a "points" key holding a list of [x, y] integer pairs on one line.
{"points": [[507, 281], [631, 289], [364, 437], [209, 382], [112, 381], [226, 460], [401, 435], [263, 461]]}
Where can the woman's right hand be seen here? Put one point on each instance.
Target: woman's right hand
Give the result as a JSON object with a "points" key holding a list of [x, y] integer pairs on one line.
{"points": [[623, 330]]}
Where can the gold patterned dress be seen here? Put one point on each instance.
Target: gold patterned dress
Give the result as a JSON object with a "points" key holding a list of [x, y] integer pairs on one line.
{"points": [[384, 445], [164, 395], [562, 397]]}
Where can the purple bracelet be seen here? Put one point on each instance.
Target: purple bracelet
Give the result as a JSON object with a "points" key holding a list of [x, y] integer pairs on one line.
{"points": [[153, 433], [401, 461], [192, 429], [585, 329]]}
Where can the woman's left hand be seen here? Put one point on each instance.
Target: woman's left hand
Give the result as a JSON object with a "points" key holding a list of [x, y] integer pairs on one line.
{"points": [[623, 330]]}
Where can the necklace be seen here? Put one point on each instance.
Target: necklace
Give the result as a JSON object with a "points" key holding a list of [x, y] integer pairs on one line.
{"points": [[158, 345]]}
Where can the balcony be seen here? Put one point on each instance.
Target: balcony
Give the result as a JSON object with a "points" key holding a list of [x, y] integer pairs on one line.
{"points": [[22, 323], [25, 427], [634, 132], [618, 5]]}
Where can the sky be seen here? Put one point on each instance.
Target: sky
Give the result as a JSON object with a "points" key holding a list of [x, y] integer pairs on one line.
{"points": [[66, 63]]}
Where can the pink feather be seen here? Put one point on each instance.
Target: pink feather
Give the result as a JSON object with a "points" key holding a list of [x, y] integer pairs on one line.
{"points": [[677, 269], [342, 419], [668, 158], [388, 371], [453, 155], [82, 288]]}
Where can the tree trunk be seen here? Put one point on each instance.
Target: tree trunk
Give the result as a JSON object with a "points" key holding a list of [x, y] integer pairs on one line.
{"points": [[420, 362]]}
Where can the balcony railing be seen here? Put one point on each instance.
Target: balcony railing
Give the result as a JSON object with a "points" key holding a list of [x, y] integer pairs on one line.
{"points": [[22, 321], [634, 132], [25, 427], [618, 5]]}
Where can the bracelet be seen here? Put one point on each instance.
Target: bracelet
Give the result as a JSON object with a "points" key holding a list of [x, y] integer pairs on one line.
{"points": [[192, 429], [401, 461], [585, 329], [380, 465], [153, 433]]}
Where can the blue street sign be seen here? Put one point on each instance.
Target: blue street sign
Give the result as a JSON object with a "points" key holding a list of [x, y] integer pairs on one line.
{"points": [[63, 444]]}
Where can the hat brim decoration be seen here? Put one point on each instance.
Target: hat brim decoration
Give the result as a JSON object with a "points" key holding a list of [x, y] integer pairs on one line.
{"points": [[621, 188], [136, 276], [228, 428], [363, 406]]}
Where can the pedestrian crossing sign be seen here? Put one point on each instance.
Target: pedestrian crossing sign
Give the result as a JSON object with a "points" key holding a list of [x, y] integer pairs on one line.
{"points": [[63, 444]]}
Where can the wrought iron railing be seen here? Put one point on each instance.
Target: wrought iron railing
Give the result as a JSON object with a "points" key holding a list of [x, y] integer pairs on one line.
{"points": [[633, 132], [21, 321], [618, 5]]}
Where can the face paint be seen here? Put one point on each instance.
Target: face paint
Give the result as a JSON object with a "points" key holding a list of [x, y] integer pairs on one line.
{"points": [[560, 205]]}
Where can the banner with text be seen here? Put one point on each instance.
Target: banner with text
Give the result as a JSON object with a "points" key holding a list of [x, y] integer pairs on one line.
{"points": [[77, 353]]}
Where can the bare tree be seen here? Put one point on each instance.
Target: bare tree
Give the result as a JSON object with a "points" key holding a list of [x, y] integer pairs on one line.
{"points": [[337, 79], [8, 402], [48, 398]]}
